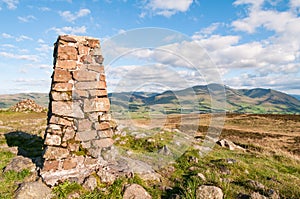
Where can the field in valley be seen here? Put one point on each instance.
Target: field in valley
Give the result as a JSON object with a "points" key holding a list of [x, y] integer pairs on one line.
{"points": [[272, 155]]}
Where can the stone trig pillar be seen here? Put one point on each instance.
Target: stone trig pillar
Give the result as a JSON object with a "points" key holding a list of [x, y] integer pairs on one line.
{"points": [[78, 119]]}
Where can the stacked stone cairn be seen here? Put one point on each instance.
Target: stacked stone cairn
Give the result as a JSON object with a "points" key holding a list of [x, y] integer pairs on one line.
{"points": [[78, 118]]}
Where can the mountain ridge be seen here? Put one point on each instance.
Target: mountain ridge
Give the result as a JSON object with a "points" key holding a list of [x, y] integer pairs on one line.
{"points": [[192, 99]]}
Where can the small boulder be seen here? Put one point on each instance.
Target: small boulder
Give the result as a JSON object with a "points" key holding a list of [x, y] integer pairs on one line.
{"points": [[209, 192], [90, 183], [257, 186], [33, 190], [136, 191], [257, 195], [230, 145], [19, 163]]}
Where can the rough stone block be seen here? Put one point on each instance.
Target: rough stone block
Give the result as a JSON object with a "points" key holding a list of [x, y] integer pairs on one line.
{"points": [[84, 125], [102, 125], [54, 129], [90, 85], [55, 153], [52, 140], [78, 94], [62, 86], [86, 135], [69, 133], [67, 38], [96, 67], [105, 133], [105, 117], [69, 109], [66, 64], [103, 143], [61, 75], [85, 75], [74, 147], [61, 96], [67, 53], [83, 50], [86, 59], [59, 120], [98, 93], [96, 104], [50, 165], [69, 163], [93, 43]]}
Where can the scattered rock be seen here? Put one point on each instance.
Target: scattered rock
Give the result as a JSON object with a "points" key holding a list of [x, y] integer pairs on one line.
{"points": [[20, 163], [201, 176], [229, 144], [272, 194], [106, 176], [136, 191], [209, 192], [257, 195], [257, 186], [33, 190], [164, 151], [90, 183], [27, 105]]}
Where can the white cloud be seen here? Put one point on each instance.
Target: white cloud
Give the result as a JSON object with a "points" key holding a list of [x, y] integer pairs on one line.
{"points": [[8, 46], [7, 36], [23, 37], [70, 17], [27, 18], [166, 8], [33, 58], [44, 9], [69, 30], [11, 4], [41, 41], [44, 48]]}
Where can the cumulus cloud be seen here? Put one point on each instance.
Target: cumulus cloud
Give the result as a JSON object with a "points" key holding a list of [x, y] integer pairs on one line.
{"points": [[69, 30], [44, 48], [71, 17], [27, 19], [166, 8], [22, 38], [11, 4]]}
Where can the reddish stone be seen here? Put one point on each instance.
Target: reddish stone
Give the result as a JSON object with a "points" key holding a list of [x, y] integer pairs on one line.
{"points": [[67, 53], [67, 38], [61, 96], [78, 94], [96, 104], [69, 164], [103, 143], [102, 77], [86, 59], [90, 85], [105, 133], [66, 64], [50, 165], [60, 121], [62, 86], [98, 93], [85, 75], [55, 153], [102, 126], [61, 75], [93, 43], [83, 50], [90, 161], [84, 125], [96, 67]]}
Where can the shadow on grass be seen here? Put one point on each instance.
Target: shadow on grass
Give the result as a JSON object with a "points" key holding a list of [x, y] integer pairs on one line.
{"points": [[29, 145]]}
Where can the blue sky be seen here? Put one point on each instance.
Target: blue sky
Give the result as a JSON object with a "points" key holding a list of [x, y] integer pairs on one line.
{"points": [[253, 43]]}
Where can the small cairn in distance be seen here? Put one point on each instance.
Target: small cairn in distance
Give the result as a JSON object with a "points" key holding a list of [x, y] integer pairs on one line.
{"points": [[27, 105]]}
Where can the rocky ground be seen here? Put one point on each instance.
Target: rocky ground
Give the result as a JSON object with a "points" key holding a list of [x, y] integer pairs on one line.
{"points": [[256, 156]]}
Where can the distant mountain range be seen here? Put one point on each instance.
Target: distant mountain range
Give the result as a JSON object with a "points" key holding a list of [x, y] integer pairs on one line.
{"points": [[194, 99]]}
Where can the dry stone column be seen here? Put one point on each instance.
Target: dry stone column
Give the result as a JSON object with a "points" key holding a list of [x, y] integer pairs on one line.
{"points": [[78, 118]]}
